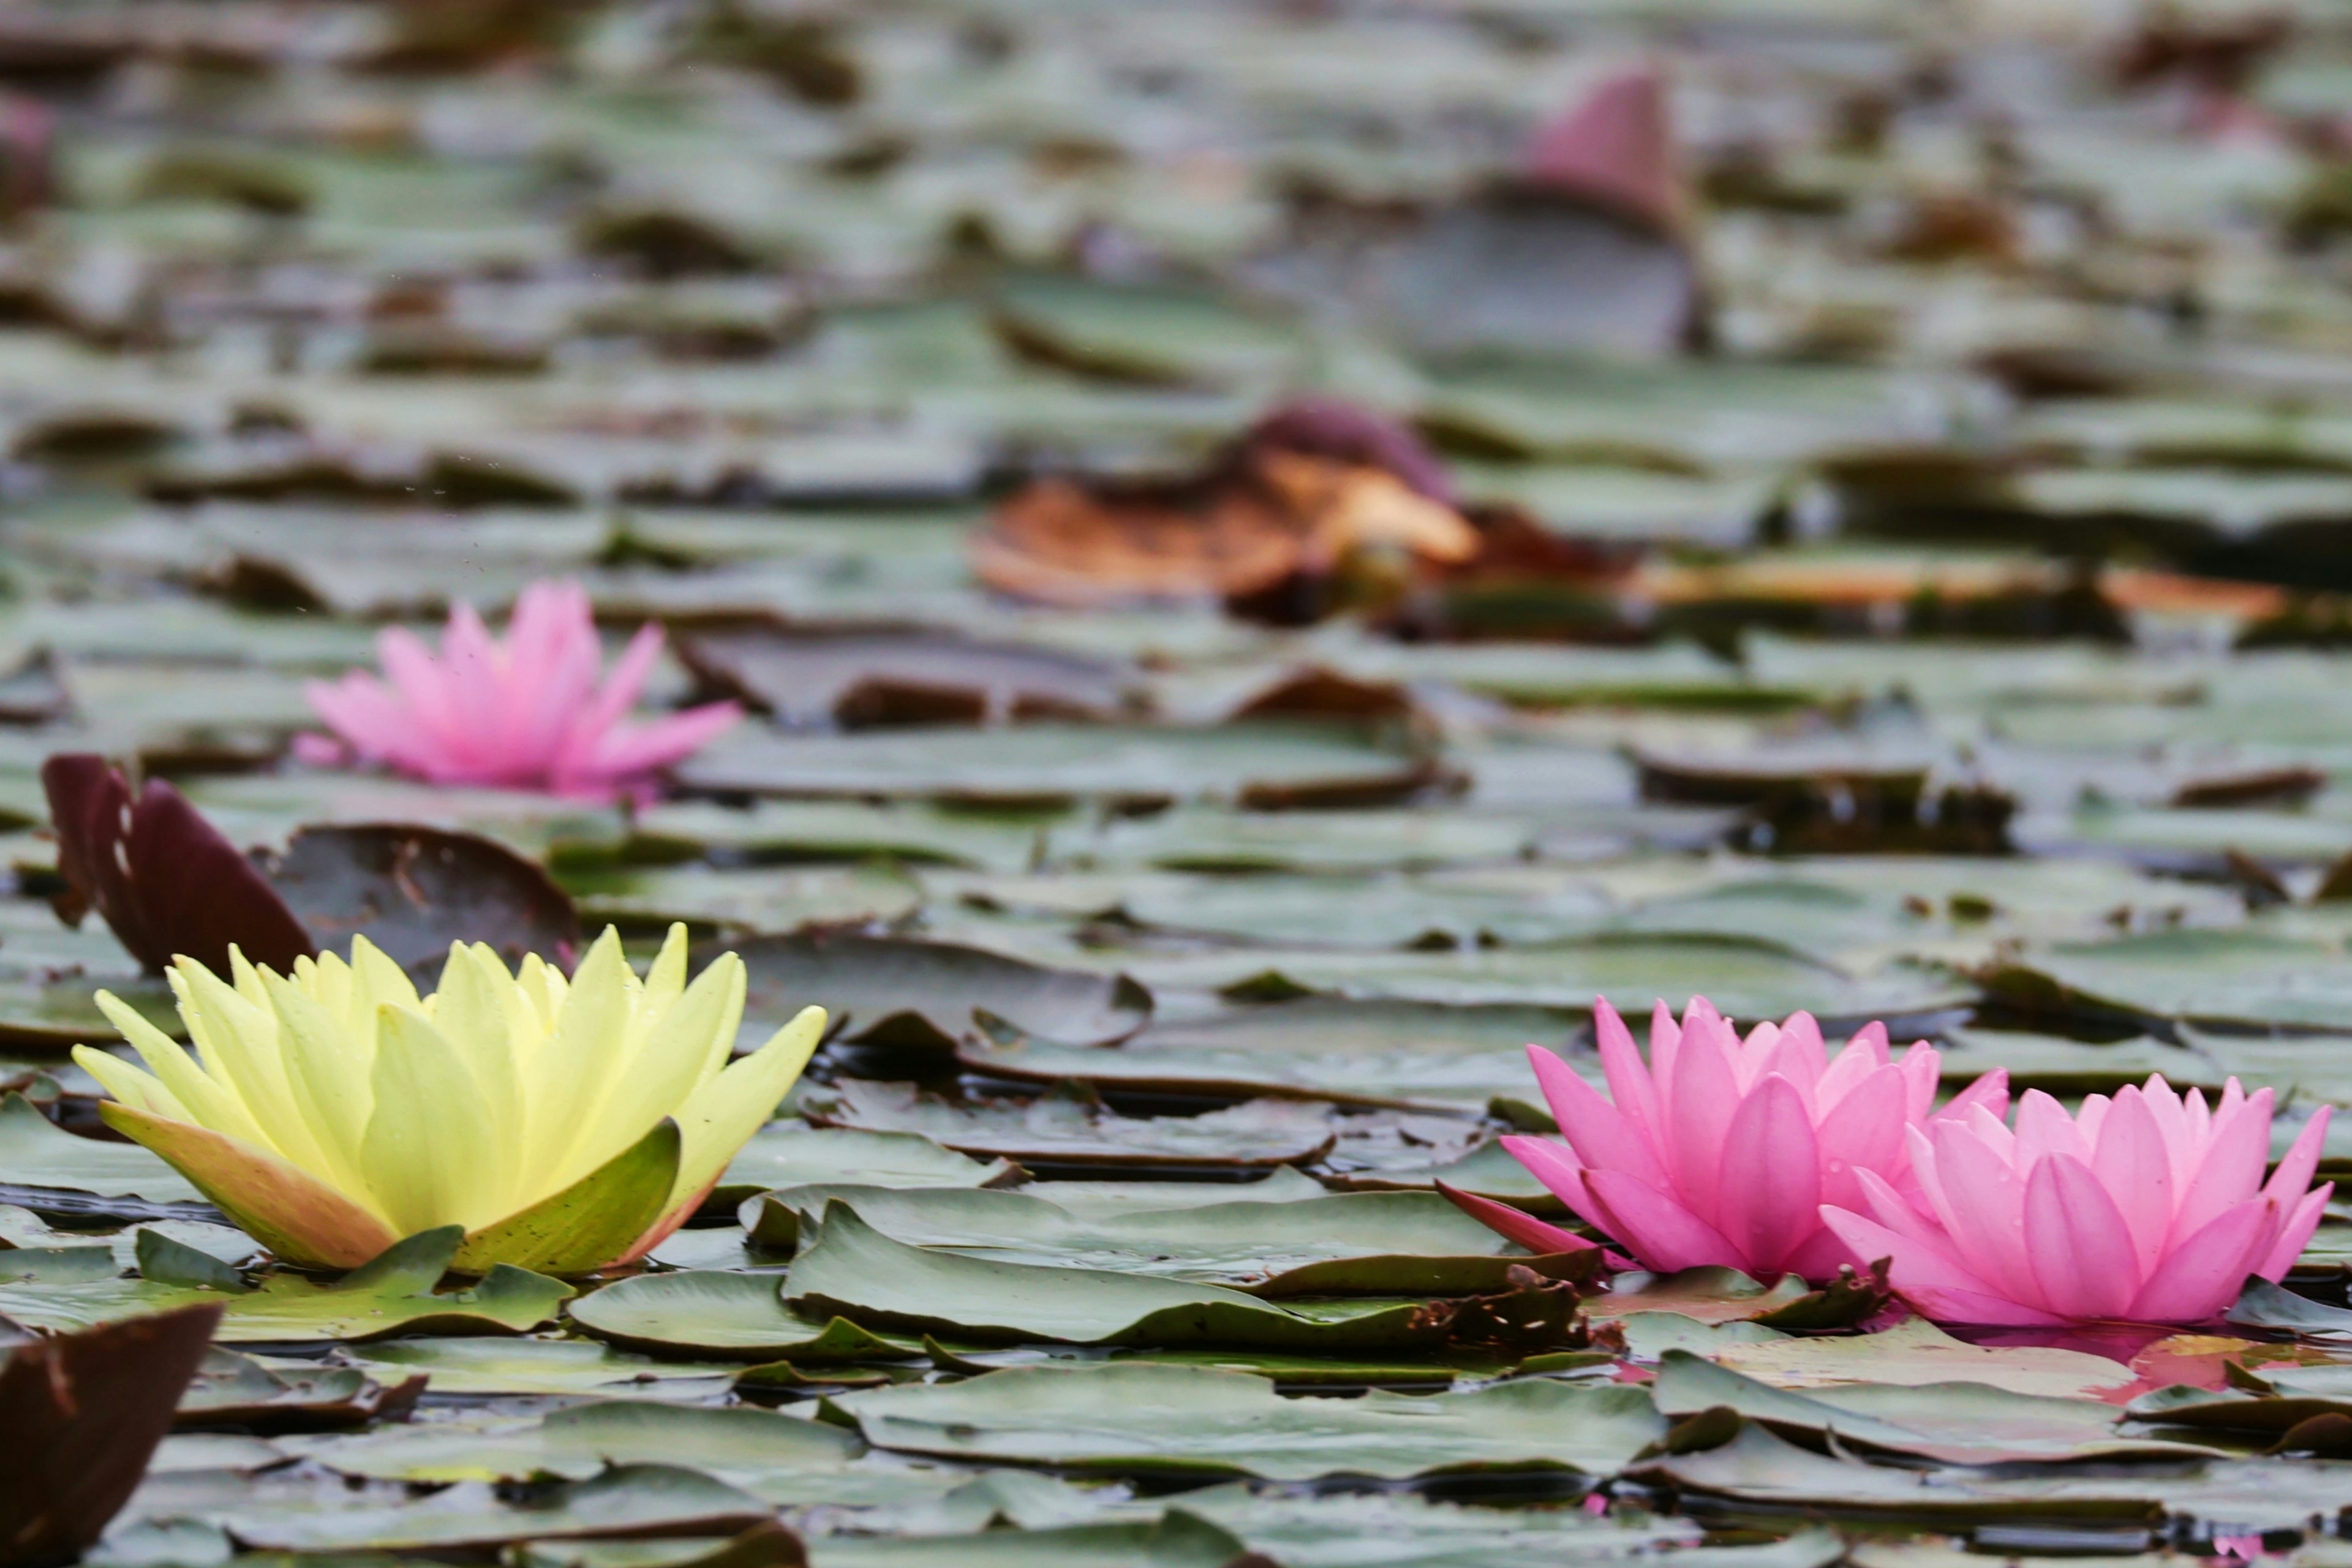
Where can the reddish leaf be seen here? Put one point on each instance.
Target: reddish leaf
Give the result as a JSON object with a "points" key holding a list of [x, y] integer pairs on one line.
{"points": [[163, 877], [81, 1414]]}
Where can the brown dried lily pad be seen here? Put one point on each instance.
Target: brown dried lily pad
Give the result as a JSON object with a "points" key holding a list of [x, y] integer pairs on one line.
{"points": [[83, 1413], [1258, 518]]}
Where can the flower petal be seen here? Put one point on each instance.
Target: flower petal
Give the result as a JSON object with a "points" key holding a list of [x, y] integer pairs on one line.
{"points": [[2294, 1233], [1770, 1178], [720, 1118], [427, 1152], [2077, 1241], [2204, 1274], [1938, 1286], [594, 1222], [301, 1220], [2131, 1163], [1655, 1229], [1601, 1134], [1537, 1235]]}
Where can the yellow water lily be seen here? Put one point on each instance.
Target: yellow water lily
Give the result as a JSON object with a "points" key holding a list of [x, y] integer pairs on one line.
{"points": [[568, 1126]]}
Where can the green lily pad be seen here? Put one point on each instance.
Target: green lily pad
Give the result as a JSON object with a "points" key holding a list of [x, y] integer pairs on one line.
{"points": [[1137, 1418], [627, 1500], [1040, 764], [1389, 1244], [792, 1154], [1405, 1054], [737, 1317], [1954, 1423], [851, 1268], [578, 1442], [240, 1391], [505, 1365], [923, 995], [1914, 1353], [1064, 1128], [392, 1295], [36, 1152], [2250, 976]]}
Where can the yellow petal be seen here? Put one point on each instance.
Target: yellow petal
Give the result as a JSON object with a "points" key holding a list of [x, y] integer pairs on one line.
{"points": [[246, 979], [665, 980], [427, 1153], [243, 1039], [328, 1072], [139, 1089], [207, 1100], [471, 1015], [574, 1074], [672, 1064], [544, 984], [382, 982], [300, 1218], [720, 1118]]}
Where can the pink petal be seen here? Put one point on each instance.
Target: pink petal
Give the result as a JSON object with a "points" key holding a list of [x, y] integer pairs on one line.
{"points": [[1666, 1045], [633, 749], [1850, 1065], [2131, 1165], [1980, 1201], [1770, 1180], [2294, 1233], [1936, 1284], [2204, 1274], [1516, 1225], [2237, 1147], [1990, 1093], [1629, 1079], [1665, 1235], [1751, 1059], [1601, 1137], [1822, 1255], [1706, 1097], [2080, 1248], [1864, 1131], [2294, 1172], [2043, 1128], [1802, 1058], [1557, 1169]]}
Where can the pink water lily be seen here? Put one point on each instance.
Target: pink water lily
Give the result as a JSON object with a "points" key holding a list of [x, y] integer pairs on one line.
{"points": [[534, 711], [1720, 1150], [2144, 1207]]}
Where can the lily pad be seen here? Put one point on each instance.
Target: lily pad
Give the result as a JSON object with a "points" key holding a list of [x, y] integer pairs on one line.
{"points": [[579, 1441], [393, 1295], [1954, 1423], [737, 1317], [790, 1154], [1914, 1353], [239, 1390], [924, 995], [851, 1268], [1062, 1128], [1403, 1054], [627, 1500], [36, 1153], [460, 1366], [413, 890], [1054, 764], [1367, 1243], [1140, 1419]]}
